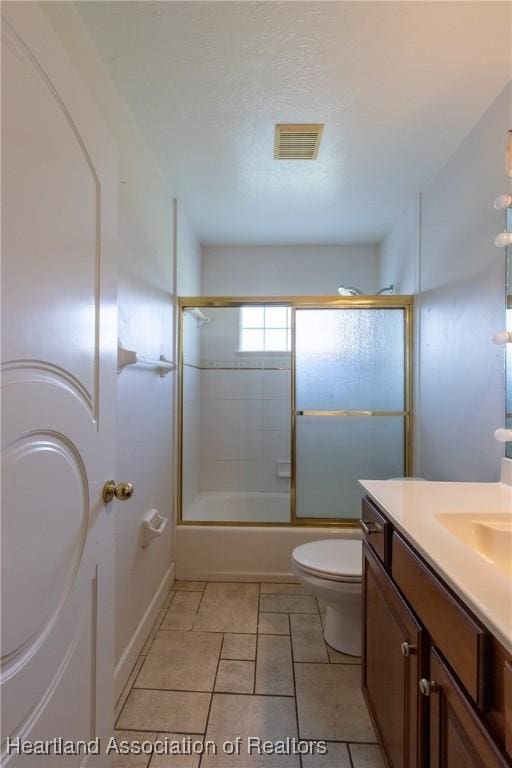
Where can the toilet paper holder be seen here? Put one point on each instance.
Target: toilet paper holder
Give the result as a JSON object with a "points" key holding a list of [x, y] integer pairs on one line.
{"points": [[153, 525]]}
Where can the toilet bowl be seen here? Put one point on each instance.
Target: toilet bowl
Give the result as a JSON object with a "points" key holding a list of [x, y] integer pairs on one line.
{"points": [[332, 570]]}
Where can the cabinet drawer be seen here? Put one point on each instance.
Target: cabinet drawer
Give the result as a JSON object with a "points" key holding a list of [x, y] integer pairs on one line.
{"points": [[376, 531], [462, 640]]}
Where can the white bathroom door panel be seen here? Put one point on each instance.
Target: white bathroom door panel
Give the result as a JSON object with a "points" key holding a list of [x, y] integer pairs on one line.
{"points": [[59, 329]]}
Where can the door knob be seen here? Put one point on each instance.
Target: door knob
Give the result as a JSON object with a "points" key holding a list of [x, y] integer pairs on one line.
{"points": [[121, 491]]}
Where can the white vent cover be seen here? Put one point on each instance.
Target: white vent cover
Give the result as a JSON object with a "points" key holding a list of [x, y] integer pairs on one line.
{"points": [[296, 141]]}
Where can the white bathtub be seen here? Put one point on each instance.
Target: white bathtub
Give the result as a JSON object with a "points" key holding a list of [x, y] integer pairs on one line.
{"points": [[237, 507], [240, 552]]}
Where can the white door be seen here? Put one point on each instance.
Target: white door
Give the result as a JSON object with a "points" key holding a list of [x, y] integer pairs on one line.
{"points": [[58, 396]]}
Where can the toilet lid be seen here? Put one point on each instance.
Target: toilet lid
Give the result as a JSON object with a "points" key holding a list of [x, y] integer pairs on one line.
{"points": [[341, 558]]}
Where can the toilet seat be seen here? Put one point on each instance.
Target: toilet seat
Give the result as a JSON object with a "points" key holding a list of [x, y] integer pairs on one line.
{"points": [[333, 559]]}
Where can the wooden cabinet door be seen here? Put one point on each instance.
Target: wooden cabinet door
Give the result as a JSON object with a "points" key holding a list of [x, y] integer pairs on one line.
{"points": [[458, 738], [392, 654]]}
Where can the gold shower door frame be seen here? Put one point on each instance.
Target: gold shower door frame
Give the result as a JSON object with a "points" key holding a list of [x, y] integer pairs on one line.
{"points": [[404, 303]]}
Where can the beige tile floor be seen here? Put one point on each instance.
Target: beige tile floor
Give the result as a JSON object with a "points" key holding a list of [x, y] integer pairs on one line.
{"points": [[228, 660]]}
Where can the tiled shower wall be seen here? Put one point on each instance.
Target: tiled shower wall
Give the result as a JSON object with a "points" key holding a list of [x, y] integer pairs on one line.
{"points": [[245, 427]]}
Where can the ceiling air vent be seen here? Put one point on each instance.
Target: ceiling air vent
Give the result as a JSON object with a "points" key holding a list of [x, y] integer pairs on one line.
{"points": [[297, 141]]}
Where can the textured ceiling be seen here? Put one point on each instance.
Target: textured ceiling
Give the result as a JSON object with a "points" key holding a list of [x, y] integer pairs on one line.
{"points": [[397, 84]]}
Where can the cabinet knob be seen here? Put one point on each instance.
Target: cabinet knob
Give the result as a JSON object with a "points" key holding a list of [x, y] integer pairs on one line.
{"points": [[428, 686], [408, 649], [369, 526]]}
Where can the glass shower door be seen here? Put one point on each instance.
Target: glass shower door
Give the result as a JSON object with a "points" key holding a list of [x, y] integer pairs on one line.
{"points": [[350, 406]]}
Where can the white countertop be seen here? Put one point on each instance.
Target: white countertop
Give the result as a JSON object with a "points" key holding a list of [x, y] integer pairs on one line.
{"points": [[413, 505]]}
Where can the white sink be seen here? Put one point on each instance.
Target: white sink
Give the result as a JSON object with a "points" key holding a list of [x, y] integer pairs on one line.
{"points": [[488, 534]]}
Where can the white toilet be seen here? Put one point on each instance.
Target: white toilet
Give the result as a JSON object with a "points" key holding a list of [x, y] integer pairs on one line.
{"points": [[332, 570]]}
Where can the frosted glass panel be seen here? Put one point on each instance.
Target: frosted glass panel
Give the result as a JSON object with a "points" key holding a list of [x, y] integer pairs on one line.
{"points": [[332, 453], [350, 359]]}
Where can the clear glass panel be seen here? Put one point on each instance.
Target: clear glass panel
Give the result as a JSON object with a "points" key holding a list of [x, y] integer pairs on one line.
{"points": [[252, 317], [332, 453], [236, 423], [252, 339], [350, 359], [275, 340], [276, 317]]}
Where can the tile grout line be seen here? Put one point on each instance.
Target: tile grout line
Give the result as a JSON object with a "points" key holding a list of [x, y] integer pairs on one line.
{"points": [[129, 691], [257, 641], [227, 693], [207, 722], [294, 686], [198, 607]]}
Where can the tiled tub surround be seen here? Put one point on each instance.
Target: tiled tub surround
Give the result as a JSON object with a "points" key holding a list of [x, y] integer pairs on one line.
{"points": [[244, 425], [236, 429], [227, 660]]}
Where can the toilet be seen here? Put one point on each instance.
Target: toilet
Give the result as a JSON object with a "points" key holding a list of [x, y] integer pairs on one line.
{"points": [[332, 570]]}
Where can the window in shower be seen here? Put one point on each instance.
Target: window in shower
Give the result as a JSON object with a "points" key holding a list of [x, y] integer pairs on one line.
{"points": [[265, 329], [278, 429]]}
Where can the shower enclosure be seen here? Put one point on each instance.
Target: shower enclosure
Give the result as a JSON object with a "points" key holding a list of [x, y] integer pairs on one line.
{"points": [[285, 402]]}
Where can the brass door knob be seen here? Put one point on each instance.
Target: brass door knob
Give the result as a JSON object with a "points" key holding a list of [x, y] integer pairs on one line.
{"points": [[121, 491]]}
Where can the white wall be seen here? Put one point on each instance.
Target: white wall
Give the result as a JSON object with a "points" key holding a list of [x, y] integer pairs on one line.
{"points": [[288, 270], [146, 299], [188, 256], [459, 372]]}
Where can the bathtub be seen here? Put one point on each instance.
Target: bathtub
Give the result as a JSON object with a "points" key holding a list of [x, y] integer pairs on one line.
{"points": [[244, 552], [237, 507]]}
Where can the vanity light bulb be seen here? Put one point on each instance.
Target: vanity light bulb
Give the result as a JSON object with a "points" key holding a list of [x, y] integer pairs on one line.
{"points": [[503, 435], [502, 337], [503, 202], [503, 240]]}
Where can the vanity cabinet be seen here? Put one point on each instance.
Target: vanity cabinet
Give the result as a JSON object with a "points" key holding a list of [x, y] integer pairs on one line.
{"points": [[437, 684]]}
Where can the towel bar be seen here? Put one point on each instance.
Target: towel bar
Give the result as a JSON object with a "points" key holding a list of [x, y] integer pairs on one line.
{"points": [[131, 357]]}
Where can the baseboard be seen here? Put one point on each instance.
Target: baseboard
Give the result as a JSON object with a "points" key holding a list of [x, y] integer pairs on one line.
{"points": [[132, 651]]}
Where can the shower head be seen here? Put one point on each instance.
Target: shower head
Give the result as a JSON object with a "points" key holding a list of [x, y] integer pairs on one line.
{"points": [[349, 290], [390, 289]]}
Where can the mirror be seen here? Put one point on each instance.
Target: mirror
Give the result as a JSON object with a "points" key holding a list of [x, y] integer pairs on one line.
{"points": [[508, 347]]}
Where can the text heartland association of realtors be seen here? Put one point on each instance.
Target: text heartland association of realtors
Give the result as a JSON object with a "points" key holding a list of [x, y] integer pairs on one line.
{"points": [[251, 745]]}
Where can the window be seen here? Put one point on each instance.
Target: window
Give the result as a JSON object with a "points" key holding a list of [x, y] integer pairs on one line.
{"points": [[265, 329]]}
